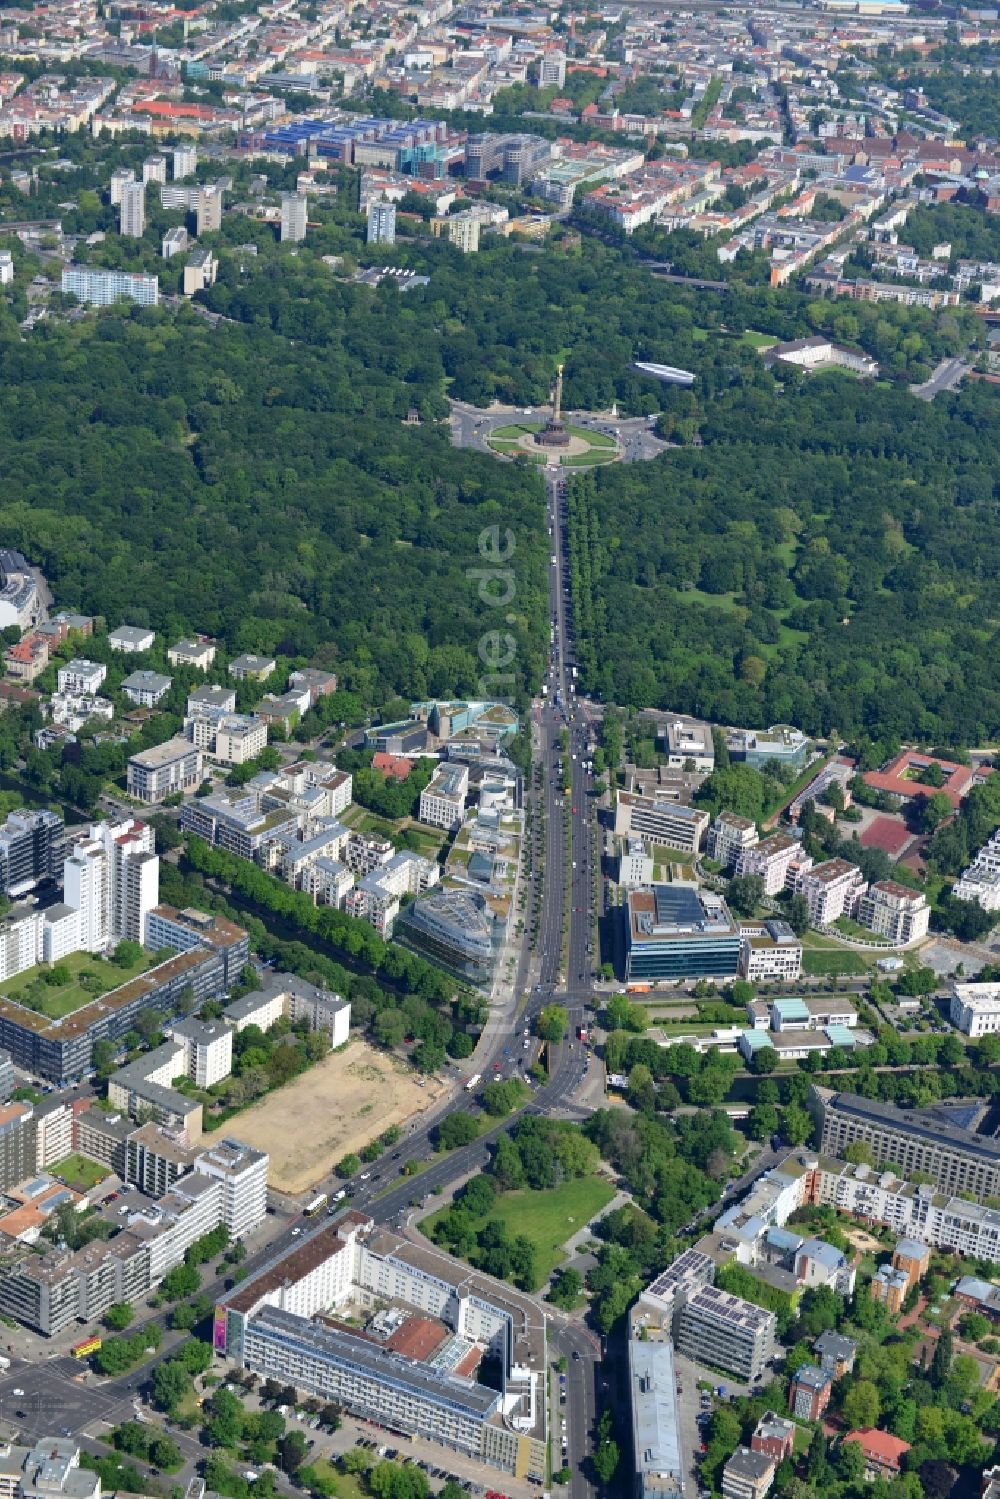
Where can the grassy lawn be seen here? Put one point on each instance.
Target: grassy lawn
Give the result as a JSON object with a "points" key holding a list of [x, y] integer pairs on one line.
{"points": [[79, 1172], [422, 840], [755, 340], [685, 1027], [377, 826], [349, 1486], [515, 431], [548, 1219], [817, 962], [855, 929], [56, 1000]]}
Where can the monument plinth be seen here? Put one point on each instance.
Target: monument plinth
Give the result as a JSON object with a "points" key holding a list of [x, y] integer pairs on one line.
{"points": [[554, 434]]}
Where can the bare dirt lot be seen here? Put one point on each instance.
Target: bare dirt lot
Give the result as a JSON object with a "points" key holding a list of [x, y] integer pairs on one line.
{"points": [[334, 1108]]}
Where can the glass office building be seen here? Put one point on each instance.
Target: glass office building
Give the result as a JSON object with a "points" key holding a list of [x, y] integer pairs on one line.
{"points": [[678, 932]]}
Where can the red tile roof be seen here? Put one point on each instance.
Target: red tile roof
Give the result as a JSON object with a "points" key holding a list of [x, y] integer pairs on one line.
{"points": [[958, 778], [881, 1446]]}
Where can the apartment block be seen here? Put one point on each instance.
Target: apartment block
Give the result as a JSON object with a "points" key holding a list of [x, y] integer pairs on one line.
{"points": [[208, 209], [104, 288], [809, 1392], [164, 770], [660, 821], [232, 739], [748, 1474], [233, 819], [836, 1353], [975, 1008], [981, 880], [729, 836], [131, 640], [132, 211], [895, 911], [831, 889], [890, 1286], [727, 1333], [146, 688], [17, 1144], [190, 929], [774, 1436], [32, 848], [186, 1195], [201, 270], [294, 217], [208, 1050], [442, 801], [771, 859], [82, 678], [956, 1160], [120, 179], [770, 952], [252, 668]]}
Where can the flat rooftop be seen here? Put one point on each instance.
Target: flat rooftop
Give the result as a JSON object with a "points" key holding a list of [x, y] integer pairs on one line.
{"points": [[341, 1346], [668, 912], [912, 1122]]}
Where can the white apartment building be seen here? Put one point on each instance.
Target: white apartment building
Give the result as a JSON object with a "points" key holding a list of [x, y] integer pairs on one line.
{"points": [[243, 1174], [131, 640], [294, 216], [659, 820], [196, 652], [981, 881], [771, 859], [975, 1008], [941, 1221], [81, 678], [53, 1134], [165, 769], [111, 880], [770, 952], [329, 882], [295, 857], [211, 702], [728, 836], [185, 162], [323, 1010], [72, 712], [635, 866], [442, 801], [146, 688], [120, 180], [895, 911], [552, 69], [238, 737], [831, 889], [376, 898], [208, 1050], [132, 211]]}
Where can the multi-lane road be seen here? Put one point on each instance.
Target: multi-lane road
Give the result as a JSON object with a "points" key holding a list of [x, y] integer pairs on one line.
{"points": [[51, 1396], [569, 886]]}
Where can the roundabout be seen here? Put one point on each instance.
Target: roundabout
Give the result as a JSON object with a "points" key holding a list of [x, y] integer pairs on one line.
{"points": [[527, 440]]}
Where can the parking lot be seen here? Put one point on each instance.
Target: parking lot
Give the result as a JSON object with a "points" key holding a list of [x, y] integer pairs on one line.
{"points": [[439, 1463]]}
